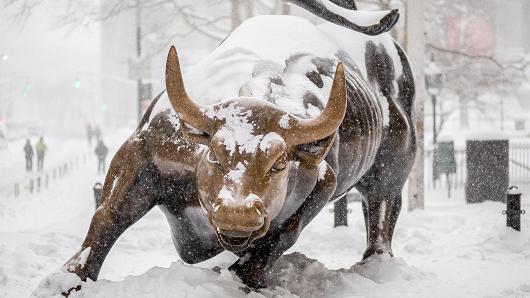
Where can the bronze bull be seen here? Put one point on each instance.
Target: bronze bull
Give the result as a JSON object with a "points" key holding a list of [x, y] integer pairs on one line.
{"points": [[248, 173]]}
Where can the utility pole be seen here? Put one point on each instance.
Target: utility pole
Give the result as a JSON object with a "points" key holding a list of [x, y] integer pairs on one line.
{"points": [[235, 14], [139, 54], [416, 53], [286, 9]]}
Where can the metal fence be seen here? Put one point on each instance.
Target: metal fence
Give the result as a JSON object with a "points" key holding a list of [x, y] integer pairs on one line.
{"points": [[520, 162], [36, 182], [519, 168]]}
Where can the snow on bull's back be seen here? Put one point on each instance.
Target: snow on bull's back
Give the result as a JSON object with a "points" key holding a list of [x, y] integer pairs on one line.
{"points": [[264, 38]]}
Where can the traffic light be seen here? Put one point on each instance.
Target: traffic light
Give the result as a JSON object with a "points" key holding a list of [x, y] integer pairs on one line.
{"points": [[27, 87], [104, 108], [77, 83]]}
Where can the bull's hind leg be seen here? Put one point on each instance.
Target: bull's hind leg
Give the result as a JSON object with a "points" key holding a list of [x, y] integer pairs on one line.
{"points": [[128, 194], [381, 188], [381, 210]]}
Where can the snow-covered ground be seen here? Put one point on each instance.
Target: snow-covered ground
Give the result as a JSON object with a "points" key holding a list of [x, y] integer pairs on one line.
{"points": [[449, 250]]}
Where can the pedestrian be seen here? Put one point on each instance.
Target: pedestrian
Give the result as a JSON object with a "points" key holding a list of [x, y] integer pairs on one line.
{"points": [[40, 148], [89, 133], [28, 149], [101, 153]]}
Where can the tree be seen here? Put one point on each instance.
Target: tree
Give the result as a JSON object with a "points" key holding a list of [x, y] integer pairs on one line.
{"points": [[214, 19]]}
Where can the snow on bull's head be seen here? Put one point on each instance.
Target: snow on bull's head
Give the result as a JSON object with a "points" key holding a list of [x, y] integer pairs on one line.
{"points": [[251, 144]]}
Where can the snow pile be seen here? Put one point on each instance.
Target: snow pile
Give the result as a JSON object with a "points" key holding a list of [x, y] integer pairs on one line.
{"points": [[520, 292], [179, 280], [294, 275], [306, 277], [56, 283]]}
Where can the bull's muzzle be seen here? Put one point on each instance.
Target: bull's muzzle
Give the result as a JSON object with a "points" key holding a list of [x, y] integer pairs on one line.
{"points": [[238, 223]]}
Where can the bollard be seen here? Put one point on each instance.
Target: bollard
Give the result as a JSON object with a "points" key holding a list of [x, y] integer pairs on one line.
{"points": [[98, 189], [31, 186], [340, 209], [46, 181], [53, 174], [513, 208], [17, 190], [38, 184]]}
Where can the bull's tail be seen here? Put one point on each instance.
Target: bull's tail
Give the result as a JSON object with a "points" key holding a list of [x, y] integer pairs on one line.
{"points": [[147, 114], [343, 13]]}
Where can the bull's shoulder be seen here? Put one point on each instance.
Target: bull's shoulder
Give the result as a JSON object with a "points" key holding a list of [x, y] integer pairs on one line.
{"points": [[170, 152]]}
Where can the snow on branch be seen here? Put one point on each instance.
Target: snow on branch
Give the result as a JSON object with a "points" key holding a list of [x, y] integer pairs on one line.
{"points": [[521, 64]]}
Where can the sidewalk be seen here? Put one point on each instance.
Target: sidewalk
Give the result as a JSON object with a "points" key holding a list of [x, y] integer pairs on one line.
{"points": [[60, 151]]}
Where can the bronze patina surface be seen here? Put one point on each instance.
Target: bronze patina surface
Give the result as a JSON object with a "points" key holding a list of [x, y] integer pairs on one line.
{"points": [[253, 196]]}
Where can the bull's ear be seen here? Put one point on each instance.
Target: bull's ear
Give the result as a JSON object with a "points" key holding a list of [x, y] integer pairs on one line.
{"points": [[312, 154], [194, 135]]}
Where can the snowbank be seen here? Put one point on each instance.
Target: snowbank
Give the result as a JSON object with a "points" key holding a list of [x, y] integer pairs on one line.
{"points": [[294, 275]]}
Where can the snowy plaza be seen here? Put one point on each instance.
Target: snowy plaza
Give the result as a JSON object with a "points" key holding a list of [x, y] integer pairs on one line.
{"points": [[128, 170]]}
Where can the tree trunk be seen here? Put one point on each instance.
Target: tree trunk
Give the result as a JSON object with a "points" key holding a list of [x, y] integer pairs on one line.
{"points": [[235, 15], [416, 53], [286, 9], [249, 7]]}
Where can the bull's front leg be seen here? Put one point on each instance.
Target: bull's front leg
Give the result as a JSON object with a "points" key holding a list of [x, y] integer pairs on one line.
{"points": [[127, 196], [256, 262]]}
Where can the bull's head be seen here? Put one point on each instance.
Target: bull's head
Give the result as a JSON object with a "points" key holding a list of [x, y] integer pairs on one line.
{"points": [[251, 145]]}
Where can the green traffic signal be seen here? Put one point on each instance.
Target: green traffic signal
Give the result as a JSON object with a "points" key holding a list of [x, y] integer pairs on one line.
{"points": [[27, 87], [77, 83]]}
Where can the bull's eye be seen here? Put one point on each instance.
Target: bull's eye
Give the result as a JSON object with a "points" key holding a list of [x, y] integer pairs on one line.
{"points": [[278, 166]]}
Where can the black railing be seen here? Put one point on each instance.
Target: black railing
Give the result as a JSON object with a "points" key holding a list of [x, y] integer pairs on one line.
{"points": [[519, 168]]}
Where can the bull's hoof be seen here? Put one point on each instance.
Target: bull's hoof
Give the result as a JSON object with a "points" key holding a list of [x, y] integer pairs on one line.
{"points": [[69, 291], [377, 250], [249, 277]]}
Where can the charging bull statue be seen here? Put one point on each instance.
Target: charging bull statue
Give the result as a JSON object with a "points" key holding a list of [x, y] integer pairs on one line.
{"points": [[282, 118]]}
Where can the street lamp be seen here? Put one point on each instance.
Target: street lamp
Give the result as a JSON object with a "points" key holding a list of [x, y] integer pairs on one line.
{"points": [[4, 57], [433, 83]]}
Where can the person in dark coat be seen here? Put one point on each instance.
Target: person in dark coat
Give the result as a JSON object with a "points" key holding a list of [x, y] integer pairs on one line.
{"points": [[101, 153], [28, 149], [40, 148]]}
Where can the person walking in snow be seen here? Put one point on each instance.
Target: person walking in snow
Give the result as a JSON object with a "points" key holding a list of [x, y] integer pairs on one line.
{"points": [[40, 148], [28, 149], [101, 153]]}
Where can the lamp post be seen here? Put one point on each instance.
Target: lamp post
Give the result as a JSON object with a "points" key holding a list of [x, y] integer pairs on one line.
{"points": [[433, 84]]}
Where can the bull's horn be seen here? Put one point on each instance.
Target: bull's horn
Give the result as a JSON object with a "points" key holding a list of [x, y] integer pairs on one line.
{"points": [[329, 120], [188, 110]]}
